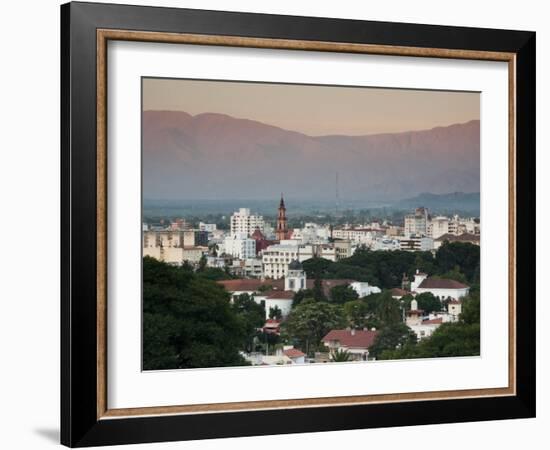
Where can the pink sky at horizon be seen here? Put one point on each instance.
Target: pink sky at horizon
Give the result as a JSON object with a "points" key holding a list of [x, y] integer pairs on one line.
{"points": [[315, 110]]}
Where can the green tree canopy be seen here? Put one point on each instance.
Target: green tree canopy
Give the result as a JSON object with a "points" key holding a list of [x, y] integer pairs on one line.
{"points": [[340, 356], [460, 338], [187, 320], [310, 321], [388, 309], [275, 312], [342, 294], [251, 315], [428, 302], [392, 337], [458, 256], [301, 295], [359, 315]]}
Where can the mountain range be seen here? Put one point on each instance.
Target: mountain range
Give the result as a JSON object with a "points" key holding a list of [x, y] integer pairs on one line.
{"points": [[214, 155]]}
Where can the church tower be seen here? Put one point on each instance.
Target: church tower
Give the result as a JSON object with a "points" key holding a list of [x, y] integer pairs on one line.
{"points": [[282, 231]]}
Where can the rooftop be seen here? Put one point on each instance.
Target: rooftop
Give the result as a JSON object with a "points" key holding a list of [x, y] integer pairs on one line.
{"points": [[280, 295], [441, 283], [357, 339], [293, 353], [439, 320]]}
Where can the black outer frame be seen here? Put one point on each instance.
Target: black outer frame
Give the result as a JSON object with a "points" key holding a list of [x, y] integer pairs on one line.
{"points": [[79, 424]]}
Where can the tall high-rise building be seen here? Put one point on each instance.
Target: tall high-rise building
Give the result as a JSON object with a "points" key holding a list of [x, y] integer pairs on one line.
{"points": [[244, 222], [281, 232], [416, 224]]}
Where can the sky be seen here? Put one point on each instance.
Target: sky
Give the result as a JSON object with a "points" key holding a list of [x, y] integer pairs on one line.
{"points": [[315, 110]]}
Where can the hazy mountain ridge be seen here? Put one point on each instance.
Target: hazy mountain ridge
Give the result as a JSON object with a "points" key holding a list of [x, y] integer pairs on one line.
{"points": [[214, 155]]}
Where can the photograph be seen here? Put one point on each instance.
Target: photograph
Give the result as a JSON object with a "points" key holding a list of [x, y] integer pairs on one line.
{"points": [[291, 224]]}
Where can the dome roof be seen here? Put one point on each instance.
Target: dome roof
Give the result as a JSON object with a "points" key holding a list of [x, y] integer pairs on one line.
{"points": [[295, 265]]}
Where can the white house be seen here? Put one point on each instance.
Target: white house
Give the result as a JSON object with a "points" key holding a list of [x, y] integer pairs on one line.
{"points": [[296, 277], [416, 322], [426, 328], [355, 342], [276, 299], [442, 288], [297, 356], [363, 288]]}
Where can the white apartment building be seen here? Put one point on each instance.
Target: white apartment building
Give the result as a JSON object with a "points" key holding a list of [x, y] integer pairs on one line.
{"points": [[174, 239], [253, 268], [176, 255], [416, 243], [357, 235], [385, 243], [276, 259], [240, 246], [244, 222], [417, 223], [210, 227], [438, 226], [311, 233]]}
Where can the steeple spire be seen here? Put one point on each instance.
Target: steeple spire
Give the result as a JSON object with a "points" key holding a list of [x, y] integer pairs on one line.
{"points": [[282, 230], [282, 203]]}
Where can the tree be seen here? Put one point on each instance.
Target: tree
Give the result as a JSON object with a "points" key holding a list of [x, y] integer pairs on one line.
{"points": [[392, 337], [358, 314], [318, 292], [310, 321], [275, 313], [460, 256], [316, 267], [252, 316], [340, 356], [471, 309], [342, 294], [214, 274], [387, 309], [428, 302], [202, 264], [187, 320], [301, 295]]}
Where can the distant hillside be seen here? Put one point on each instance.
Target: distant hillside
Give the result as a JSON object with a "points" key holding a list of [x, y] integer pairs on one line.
{"points": [[444, 203], [221, 157]]}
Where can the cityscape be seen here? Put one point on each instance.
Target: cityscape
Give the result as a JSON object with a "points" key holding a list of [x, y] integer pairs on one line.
{"points": [[322, 283]]}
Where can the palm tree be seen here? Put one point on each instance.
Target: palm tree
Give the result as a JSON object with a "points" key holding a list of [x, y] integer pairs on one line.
{"points": [[340, 356]]}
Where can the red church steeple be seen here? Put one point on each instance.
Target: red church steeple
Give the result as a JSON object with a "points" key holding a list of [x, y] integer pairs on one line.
{"points": [[282, 229]]}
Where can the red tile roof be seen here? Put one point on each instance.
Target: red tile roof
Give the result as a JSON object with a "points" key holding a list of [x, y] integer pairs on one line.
{"points": [[441, 283], [360, 338], [455, 302], [251, 285], [432, 321], [245, 284], [280, 295], [294, 353]]}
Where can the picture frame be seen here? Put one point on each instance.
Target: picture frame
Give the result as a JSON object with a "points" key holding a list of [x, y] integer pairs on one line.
{"points": [[86, 29]]}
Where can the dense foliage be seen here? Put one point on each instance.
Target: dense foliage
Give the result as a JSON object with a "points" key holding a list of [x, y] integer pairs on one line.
{"points": [[456, 260], [450, 339], [188, 320], [310, 321]]}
